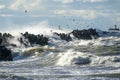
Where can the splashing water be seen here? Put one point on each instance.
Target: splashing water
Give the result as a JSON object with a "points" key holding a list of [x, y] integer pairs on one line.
{"points": [[61, 60]]}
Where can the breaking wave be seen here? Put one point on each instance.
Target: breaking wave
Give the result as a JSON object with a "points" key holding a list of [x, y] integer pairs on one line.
{"points": [[77, 52], [64, 48], [62, 56]]}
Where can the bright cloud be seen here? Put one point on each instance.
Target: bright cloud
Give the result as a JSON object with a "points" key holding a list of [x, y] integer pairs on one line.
{"points": [[16, 4], [94, 1], [30, 5], [60, 12], [53, 10], [65, 1], [2, 6], [118, 19], [86, 14], [6, 15]]}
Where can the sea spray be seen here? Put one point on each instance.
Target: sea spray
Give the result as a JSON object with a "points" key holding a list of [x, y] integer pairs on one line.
{"points": [[42, 27], [74, 60]]}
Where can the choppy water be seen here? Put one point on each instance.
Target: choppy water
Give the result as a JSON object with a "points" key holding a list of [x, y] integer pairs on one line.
{"points": [[97, 59]]}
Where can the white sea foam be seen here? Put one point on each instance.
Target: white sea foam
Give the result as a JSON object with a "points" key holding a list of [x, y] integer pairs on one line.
{"points": [[71, 57], [68, 56], [102, 41]]}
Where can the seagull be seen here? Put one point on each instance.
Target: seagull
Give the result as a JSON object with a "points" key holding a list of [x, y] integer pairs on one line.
{"points": [[25, 11]]}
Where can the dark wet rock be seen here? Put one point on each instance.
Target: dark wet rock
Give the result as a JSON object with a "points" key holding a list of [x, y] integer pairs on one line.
{"points": [[7, 35], [4, 38], [13, 45], [0, 41], [85, 34], [34, 39], [64, 36], [82, 61], [116, 59], [105, 32], [80, 34], [5, 54]]}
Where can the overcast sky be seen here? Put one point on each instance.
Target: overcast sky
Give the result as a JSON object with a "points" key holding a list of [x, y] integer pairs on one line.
{"points": [[72, 14]]}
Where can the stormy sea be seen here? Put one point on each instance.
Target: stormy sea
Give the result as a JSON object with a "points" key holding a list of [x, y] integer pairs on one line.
{"points": [[88, 54]]}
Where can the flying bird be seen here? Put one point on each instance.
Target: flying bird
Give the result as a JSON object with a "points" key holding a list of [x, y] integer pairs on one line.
{"points": [[25, 11]]}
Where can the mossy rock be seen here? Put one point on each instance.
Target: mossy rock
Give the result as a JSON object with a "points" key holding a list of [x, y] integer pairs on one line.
{"points": [[13, 45], [50, 49], [32, 51]]}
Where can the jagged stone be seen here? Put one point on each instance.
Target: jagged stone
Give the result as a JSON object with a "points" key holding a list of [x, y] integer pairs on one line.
{"points": [[80, 34], [4, 38], [34, 39], [0, 41], [85, 34], [5, 54], [64, 36]]}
